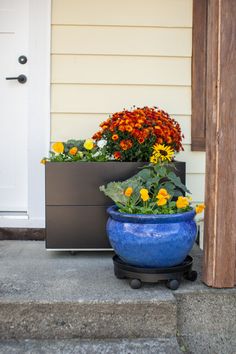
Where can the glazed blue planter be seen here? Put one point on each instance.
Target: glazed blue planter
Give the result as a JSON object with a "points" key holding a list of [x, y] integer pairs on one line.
{"points": [[151, 241]]}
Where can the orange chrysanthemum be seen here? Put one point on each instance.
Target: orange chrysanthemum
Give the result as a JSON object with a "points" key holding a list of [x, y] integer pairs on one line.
{"points": [[115, 137], [117, 155], [139, 129]]}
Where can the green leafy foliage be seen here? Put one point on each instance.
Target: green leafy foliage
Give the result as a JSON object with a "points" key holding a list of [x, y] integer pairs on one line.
{"points": [[152, 178]]}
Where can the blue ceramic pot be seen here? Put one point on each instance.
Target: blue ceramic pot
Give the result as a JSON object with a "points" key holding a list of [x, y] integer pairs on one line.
{"points": [[151, 241]]}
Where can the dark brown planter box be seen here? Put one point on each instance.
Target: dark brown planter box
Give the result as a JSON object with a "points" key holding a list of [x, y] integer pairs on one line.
{"points": [[75, 208]]}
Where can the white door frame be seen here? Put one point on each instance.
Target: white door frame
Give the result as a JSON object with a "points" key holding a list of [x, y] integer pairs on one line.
{"points": [[39, 115]]}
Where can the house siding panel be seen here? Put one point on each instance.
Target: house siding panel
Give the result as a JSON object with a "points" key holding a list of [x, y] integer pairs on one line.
{"points": [[162, 13], [107, 55]]}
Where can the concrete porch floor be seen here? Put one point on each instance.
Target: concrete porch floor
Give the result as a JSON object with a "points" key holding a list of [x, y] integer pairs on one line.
{"points": [[54, 300]]}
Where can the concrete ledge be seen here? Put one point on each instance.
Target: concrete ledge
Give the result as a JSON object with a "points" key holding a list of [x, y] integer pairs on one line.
{"points": [[141, 346], [87, 320]]}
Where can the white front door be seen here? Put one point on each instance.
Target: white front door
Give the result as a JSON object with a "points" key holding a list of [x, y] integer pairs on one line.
{"points": [[14, 22]]}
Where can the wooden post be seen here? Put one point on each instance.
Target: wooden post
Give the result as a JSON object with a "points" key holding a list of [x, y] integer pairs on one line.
{"points": [[220, 216]]}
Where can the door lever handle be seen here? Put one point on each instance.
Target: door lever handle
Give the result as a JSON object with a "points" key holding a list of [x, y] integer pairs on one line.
{"points": [[21, 78]]}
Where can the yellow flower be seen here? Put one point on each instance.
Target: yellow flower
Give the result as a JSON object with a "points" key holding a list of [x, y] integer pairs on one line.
{"points": [[58, 147], [182, 202], [163, 194], [162, 152], [153, 159], [73, 151], [144, 194], [143, 191], [88, 144], [161, 201], [128, 192], [43, 161], [199, 208]]}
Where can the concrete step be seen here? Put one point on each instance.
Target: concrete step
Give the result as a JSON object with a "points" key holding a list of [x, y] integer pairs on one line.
{"points": [[45, 295], [141, 346], [58, 299]]}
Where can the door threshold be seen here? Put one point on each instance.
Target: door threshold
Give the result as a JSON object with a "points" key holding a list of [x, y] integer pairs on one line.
{"points": [[19, 215]]}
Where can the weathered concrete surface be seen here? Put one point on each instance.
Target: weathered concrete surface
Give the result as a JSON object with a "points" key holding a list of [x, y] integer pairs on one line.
{"points": [[207, 321], [56, 295], [142, 346], [87, 320], [45, 295]]}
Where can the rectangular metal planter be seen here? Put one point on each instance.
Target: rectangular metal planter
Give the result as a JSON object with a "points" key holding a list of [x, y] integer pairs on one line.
{"points": [[75, 208]]}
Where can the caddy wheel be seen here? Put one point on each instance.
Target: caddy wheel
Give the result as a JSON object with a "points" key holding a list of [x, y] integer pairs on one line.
{"points": [[135, 284], [192, 275], [172, 284]]}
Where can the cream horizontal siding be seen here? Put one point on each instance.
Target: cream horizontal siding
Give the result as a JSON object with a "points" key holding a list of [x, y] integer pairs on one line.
{"points": [[164, 13], [111, 98], [94, 69], [121, 40], [108, 55]]}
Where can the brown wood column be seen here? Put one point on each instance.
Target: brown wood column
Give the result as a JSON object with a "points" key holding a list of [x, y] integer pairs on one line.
{"points": [[220, 216]]}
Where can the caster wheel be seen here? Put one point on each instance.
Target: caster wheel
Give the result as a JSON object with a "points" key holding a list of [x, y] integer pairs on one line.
{"points": [[173, 284], [192, 275], [73, 253], [135, 284]]}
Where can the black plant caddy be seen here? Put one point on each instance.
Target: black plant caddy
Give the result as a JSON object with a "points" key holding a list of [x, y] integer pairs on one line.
{"points": [[171, 275]]}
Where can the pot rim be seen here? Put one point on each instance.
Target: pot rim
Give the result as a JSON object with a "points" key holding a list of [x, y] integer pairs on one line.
{"points": [[150, 218]]}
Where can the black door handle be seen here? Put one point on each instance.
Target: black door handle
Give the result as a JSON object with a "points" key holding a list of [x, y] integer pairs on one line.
{"points": [[21, 78]]}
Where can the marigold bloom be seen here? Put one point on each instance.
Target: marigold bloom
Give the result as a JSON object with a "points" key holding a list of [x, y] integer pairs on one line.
{"points": [[43, 161], [117, 155], [88, 144], [199, 208], [97, 136], [126, 144], [128, 192], [58, 147], [161, 201], [145, 125], [115, 137], [163, 194], [121, 128], [182, 202], [141, 140], [73, 151], [128, 128]]}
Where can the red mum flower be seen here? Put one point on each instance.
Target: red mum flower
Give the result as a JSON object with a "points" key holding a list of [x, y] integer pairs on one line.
{"points": [[117, 155]]}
